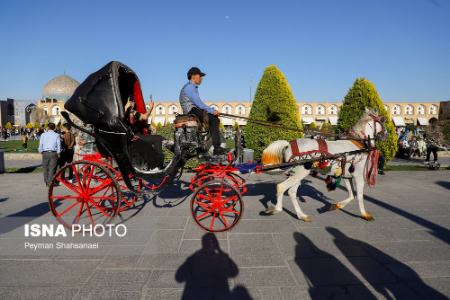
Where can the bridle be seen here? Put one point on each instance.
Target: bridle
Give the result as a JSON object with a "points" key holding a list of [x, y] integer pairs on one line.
{"points": [[373, 125]]}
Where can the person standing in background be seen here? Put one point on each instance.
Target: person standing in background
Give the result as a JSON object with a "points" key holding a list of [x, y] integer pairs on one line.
{"points": [[50, 148], [24, 141], [68, 139]]}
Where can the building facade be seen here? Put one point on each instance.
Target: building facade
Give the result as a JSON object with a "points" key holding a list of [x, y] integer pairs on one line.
{"points": [[402, 113], [6, 111], [56, 91]]}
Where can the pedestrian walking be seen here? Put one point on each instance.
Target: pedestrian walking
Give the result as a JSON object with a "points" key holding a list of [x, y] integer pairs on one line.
{"points": [[50, 148], [24, 141], [68, 143]]}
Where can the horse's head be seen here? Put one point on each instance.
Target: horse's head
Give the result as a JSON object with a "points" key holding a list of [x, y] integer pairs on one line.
{"points": [[370, 125]]}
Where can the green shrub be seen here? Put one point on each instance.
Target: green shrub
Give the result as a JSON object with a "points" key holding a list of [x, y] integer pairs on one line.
{"points": [[273, 102], [361, 95]]}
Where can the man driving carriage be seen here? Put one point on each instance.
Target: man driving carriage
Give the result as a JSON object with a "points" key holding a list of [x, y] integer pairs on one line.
{"points": [[192, 104]]}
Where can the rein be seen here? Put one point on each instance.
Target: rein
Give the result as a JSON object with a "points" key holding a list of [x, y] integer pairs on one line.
{"points": [[352, 136], [371, 167]]}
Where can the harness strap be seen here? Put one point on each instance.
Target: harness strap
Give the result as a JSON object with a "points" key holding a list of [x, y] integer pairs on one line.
{"points": [[323, 147], [295, 149], [358, 144]]}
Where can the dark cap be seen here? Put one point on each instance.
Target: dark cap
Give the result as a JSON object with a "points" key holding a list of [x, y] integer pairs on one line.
{"points": [[194, 71]]}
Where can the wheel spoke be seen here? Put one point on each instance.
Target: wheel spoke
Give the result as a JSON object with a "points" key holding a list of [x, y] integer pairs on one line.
{"points": [[211, 226], [89, 213], [102, 186], [102, 210], [202, 205], [67, 209], [80, 211], [69, 185], [231, 211], [90, 177], [199, 218], [77, 177], [224, 221]]}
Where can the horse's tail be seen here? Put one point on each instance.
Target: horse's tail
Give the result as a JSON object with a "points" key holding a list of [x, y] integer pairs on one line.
{"points": [[273, 154]]}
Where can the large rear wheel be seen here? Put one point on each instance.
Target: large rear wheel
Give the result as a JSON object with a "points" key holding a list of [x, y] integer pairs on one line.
{"points": [[92, 197], [217, 206]]}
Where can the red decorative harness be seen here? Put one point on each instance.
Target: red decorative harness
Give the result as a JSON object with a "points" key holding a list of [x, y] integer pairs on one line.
{"points": [[322, 148]]}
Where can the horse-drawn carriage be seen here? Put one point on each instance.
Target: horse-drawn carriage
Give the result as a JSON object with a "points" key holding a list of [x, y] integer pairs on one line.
{"points": [[109, 182]]}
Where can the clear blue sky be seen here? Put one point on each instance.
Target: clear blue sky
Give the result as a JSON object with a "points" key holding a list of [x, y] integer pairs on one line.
{"points": [[403, 46]]}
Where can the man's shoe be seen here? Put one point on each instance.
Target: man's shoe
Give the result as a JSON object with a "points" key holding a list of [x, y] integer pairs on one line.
{"points": [[220, 151]]}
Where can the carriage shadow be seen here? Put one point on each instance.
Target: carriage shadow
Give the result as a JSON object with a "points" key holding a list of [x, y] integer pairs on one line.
{"points": [[10, 222], [171, 191], [172, 195]]}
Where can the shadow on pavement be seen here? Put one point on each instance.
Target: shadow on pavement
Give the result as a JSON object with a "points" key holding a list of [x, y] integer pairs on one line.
{"points": [[173, 195], [438, 231], [207, 271], [325, 274], [384, 286], [3, 199], [444, 184], [10, 222], [23, 170]]}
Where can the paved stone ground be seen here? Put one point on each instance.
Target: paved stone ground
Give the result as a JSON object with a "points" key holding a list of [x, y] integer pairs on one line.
{"points": [[403, 254]]}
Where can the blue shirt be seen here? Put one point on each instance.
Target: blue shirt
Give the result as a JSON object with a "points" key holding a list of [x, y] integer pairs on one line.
{"points": [[50, 141], [190, 98]]}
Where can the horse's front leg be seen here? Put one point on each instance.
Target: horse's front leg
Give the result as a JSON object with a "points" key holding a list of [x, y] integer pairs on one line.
{"points": [[359, 182], [343, 203]]}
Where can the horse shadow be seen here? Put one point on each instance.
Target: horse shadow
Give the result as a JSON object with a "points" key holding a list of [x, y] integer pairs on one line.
{"points": [[395, 286], [311, 260]]}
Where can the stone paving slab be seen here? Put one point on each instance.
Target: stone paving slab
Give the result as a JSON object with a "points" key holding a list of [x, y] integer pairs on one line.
{"points": [[403, 254]]}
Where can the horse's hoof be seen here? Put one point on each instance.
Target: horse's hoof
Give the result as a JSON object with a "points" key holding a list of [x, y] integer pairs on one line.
{"points": [[272, 210], [306, 219], [334, 206], [368, 217]]}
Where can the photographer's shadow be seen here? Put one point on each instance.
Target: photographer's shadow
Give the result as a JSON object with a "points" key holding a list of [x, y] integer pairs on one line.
{"points": [[206, 273]]}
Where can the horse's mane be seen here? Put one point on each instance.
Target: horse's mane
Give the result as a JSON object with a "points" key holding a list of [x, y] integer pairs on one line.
{"points": [[360, 125]]}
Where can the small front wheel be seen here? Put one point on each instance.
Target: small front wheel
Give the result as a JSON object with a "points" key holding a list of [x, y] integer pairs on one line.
{"points": [[217, 206]]}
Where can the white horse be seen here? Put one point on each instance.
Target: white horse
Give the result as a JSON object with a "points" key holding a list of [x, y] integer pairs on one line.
{"points": [[370, 125]]}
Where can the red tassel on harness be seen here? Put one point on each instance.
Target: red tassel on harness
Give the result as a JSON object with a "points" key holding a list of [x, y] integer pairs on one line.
{"points": [[371, 171]]}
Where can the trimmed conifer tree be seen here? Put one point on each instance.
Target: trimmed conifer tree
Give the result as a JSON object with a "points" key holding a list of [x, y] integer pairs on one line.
{"points": [[361, 95], [274, 102]]}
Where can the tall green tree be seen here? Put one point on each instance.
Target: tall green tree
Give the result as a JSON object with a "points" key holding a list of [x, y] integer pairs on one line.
{"points": [[361, 95], [275, 102]]}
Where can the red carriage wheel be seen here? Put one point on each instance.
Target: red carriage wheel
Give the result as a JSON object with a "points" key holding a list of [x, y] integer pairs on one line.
{"points": [[92, 197], [217, 206]]}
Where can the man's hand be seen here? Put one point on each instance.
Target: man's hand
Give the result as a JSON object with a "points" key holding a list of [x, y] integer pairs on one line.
{"points": [[216, 113]]}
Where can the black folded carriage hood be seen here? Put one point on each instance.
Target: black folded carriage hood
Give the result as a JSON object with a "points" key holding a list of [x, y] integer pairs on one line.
{"points": [[97, 100]]}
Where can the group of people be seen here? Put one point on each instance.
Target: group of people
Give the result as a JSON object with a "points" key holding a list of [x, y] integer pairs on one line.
{"points": [[412, 143], [59, 146]]}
